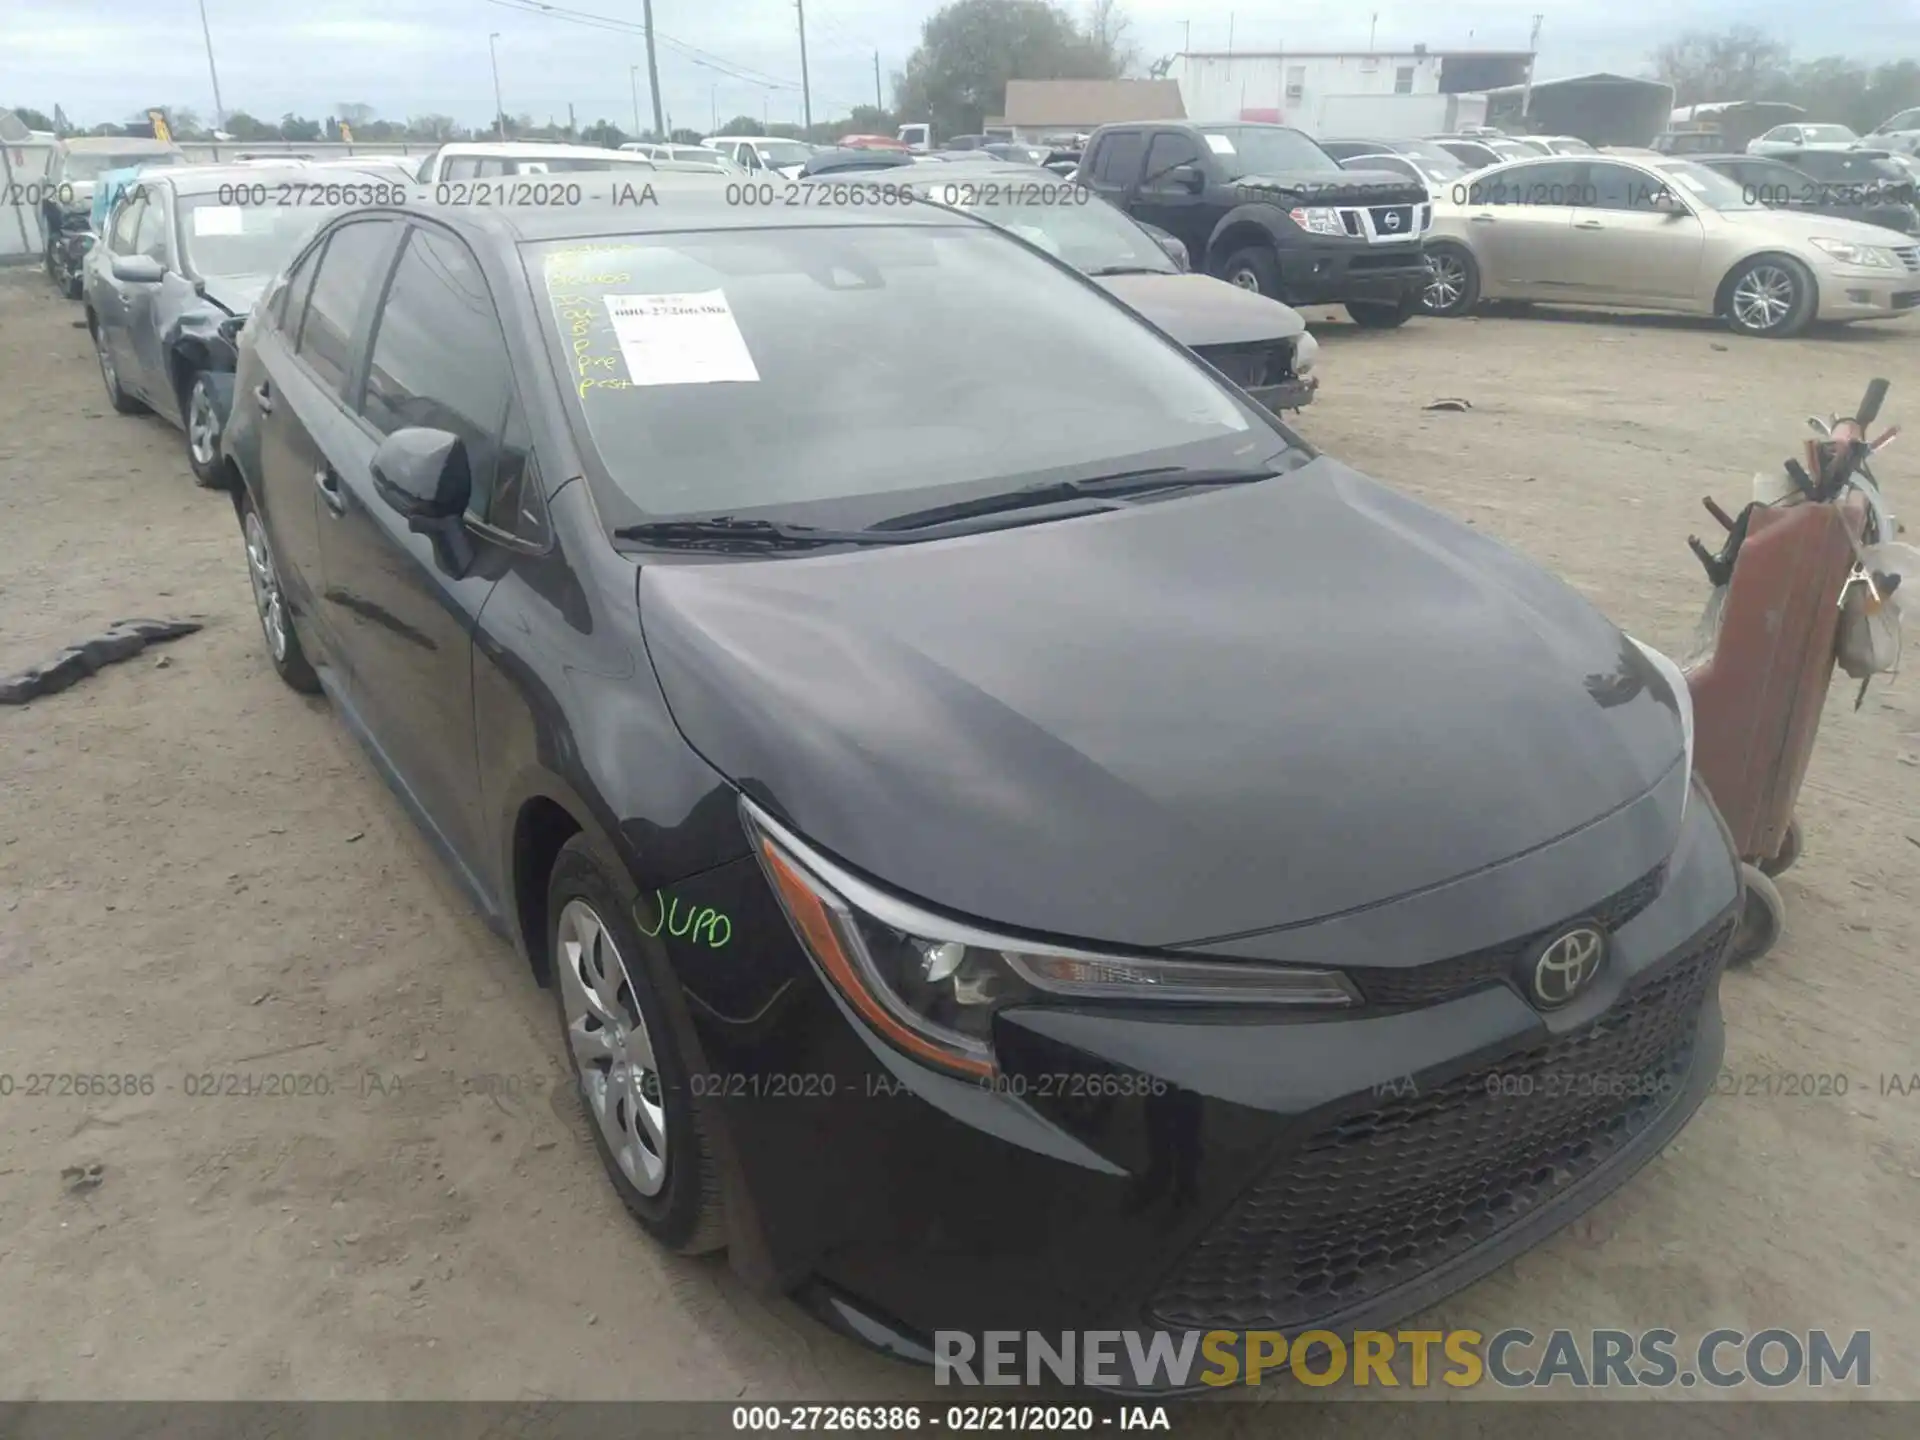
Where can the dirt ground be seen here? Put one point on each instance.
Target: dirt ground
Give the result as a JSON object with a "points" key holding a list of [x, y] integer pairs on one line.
{"points": [[200, 875]]}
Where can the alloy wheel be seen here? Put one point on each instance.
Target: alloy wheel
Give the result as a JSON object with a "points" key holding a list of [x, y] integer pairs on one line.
{"points": [[611, 1047], [203, 430], [1763, 298], [1446, 282], [1245, 279], [267, 599]]}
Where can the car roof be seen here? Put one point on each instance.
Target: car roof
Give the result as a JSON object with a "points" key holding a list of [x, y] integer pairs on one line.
{"points": [[120, 144], [686, 202], [201, 179], [530, 149]]}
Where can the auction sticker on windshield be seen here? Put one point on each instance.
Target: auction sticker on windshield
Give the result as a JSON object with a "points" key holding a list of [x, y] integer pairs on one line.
{"points": [[689, 338], [219, 220], [1220, 144]]}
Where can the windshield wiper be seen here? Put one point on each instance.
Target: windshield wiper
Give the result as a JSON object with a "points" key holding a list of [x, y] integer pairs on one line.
{"points": [[1057, 492], [1130, 270], [733, 530]]}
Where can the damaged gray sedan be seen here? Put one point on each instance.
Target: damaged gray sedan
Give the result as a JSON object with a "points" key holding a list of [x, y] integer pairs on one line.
{"points": [[184, 257]]}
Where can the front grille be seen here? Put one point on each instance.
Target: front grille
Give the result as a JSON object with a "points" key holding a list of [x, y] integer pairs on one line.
{"points": [[1378, 1199], [1392, 220], [1909, 256], [1458, 974], [1251, 366]]}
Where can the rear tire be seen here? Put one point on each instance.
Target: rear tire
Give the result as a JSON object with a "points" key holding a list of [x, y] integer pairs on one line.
{"points": [[1386, 314], [647, 1124], [270, 602], [1789, 852], [1453, 286], [1255, 268], [1770, 296], [122, 402]]}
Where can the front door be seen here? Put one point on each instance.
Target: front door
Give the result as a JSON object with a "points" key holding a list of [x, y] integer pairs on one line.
{"points": [[1163, 201], [405, 617]]}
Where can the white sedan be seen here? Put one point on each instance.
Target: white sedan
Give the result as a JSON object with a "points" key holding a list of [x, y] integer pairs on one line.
{"points": [[1784, 138]]}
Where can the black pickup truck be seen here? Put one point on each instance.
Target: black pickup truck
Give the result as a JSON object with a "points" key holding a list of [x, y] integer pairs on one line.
{"points": [[1264, 207]]}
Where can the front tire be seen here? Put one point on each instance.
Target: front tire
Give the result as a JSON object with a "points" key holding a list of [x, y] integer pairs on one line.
{"points": [[203, 433], [1385, 314], [1770, 296], [1453, 281], [1763, 918], [1254, 268], [647, 1124], [270, 602]]}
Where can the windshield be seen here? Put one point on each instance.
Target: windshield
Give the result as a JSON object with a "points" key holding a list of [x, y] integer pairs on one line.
{"points": [[92, 164], [1569, 146], [1436, 162], [860, 370], [1710, 187], [1511, 149], [1086, 233], [227, 240], [1265, 150], [1827, 135], [784, 152]]}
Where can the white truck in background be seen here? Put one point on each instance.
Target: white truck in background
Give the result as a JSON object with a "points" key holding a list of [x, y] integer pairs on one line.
{"points": [[1394, 117]]}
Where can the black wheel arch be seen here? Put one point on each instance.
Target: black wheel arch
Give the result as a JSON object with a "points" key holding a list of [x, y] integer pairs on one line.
{"points": [[1240, 229]]}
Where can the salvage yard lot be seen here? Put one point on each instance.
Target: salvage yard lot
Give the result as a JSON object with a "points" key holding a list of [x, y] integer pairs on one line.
{"points": [[201, 877]]}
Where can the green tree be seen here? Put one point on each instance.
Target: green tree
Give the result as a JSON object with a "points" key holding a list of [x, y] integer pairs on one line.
{"points": [[684, 136], [295, 127], [243, 126], [1740, 63], [605, 133], [437, 128], [33, 119], [958, 74], [742, 125]]}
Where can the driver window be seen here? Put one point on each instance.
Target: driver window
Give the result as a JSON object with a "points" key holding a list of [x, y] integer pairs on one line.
{"points": [[126, 222], [1170, 150], [150, 237], [462, 167]]}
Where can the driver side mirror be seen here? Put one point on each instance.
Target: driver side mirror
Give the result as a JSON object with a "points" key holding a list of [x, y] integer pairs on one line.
{"points": [[424, 475], [1188, 178], [1669, 204], [138, 269]]}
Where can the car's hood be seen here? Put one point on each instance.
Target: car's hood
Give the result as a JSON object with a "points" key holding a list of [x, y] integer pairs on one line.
{"points": [[235, 294], [1347, 187], [1804, 225], [1201, 716], [1198, 310]]}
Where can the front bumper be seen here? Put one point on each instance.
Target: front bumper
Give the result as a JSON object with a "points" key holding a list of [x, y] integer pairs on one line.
{"points": [[1334, 272], [1236, 1169], [1852, 292], [1293, 394]]}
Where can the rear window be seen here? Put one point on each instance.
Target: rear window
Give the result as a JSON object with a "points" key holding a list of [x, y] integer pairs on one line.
{"points": [[716, 372]]}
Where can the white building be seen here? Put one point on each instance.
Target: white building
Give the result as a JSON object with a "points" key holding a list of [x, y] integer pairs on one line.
{"points": [[1290, 87]]}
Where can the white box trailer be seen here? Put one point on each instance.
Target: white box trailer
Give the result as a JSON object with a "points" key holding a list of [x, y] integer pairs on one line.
{"points": [[1395, 117]]}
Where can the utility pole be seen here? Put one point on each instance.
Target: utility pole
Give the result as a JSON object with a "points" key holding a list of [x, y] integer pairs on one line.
{"points": [[653, 72], [499, 109], [1230, 32], [806, 85], [878, 103], [633, 83], [1186, 36], [1373, 26], [1533, 53], [219, 112], [570, 130], [713, 103]]}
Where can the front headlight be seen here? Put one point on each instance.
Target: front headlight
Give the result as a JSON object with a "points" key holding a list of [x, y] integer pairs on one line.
{"points": [[1676, 679], [930, 985], [1871, 257], [1318, 220], [1306, 350]]}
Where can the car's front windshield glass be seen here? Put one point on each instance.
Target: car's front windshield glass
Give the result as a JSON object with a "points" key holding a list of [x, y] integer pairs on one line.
{"points": [[1709, 187], [92, 164], [784, 152], [848, 373], [1436, 162], [228, 240], [1083, 231], [1265, 150], [1827, 135]]}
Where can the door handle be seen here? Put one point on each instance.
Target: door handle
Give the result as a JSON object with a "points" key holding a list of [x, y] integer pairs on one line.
{"points": [[1588, 225], [1482, 219], [263, 393], [329, 485]]}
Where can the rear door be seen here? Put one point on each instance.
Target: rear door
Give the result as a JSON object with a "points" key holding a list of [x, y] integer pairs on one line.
{"points": [[437, 359], [1520, 223], [111, 296], [306, 385]]}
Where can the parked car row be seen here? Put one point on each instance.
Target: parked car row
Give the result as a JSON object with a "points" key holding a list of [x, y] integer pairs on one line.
{"points": [[891, 678]]}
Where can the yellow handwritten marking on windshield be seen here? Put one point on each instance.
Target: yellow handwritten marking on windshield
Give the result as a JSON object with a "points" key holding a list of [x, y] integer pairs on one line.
{"points": [[578, 315]]}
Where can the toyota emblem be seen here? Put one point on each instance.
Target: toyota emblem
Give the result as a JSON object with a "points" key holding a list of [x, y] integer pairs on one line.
{"points": [[1565, 966], [1393, 219]]}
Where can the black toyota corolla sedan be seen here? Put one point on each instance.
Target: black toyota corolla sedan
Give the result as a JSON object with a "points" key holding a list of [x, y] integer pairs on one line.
{"points": [[1067, 856]]}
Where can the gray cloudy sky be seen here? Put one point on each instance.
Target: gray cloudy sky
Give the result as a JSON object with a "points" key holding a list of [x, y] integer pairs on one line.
{"points": [[105, 59]]}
